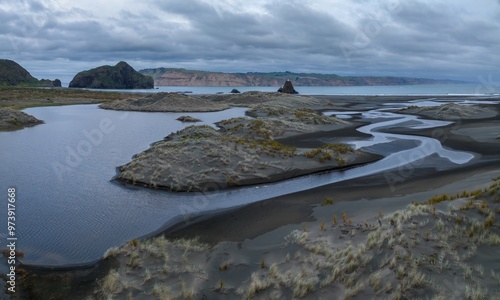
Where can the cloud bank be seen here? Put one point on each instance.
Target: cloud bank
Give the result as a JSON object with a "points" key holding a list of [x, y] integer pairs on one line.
{"points": [[448, 39]]}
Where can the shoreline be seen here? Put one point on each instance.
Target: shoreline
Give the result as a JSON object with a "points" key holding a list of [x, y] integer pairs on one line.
{"points": [[220, 228], [299, 208], [291, 206], [227, 218], [242, 151]]}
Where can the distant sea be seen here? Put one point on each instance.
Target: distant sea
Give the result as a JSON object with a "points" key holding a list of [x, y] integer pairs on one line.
{"points": [[437, 89]]}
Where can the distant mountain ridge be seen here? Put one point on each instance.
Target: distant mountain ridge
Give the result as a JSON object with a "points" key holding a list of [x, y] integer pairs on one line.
{"points": [[183, 77], [13, 74]]}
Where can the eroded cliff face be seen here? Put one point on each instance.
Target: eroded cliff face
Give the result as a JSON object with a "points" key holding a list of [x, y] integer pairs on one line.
{"points": [[182, 77], [174, 78]]}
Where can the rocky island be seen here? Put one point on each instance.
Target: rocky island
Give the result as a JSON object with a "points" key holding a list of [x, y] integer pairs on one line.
{"points": [[120, 76]]}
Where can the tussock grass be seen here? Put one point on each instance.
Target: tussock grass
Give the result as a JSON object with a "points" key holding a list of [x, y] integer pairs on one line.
{"points": [[111, 284], [111, 252], [396, 255]]}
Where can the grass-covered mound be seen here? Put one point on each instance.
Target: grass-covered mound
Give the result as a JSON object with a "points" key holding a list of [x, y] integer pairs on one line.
{"points": [[451, 111], [242, 151], [166, 102], [442, 248]]}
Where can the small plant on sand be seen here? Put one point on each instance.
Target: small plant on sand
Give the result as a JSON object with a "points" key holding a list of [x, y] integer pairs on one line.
{"points": [[161, 291], [134, 260], [375, 281], [323, 226], [112, 252], [111, 284], [438, 198], [334, 220], [133, 243], [146, 276], [220, 286], [224, 267], [262, 264], [328, 201]]}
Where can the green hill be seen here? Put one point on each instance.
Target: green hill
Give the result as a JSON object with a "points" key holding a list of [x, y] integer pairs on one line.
{"points": [[120, 76], [13, 74]]}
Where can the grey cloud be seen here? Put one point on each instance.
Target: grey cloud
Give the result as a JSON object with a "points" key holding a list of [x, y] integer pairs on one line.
{"points": [[285, 36]]}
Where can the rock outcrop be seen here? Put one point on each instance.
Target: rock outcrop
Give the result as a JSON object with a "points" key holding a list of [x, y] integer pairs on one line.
{"points": [[13, 74], [11, 119], [287, 88], [121, 76]]}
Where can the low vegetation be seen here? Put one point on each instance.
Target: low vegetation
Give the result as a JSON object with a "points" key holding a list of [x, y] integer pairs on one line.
{"points": [[436, 249], [23, 97], [244, 150]]}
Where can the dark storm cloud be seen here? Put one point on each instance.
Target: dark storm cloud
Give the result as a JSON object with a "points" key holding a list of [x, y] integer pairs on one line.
{"points": [[419, 38]]}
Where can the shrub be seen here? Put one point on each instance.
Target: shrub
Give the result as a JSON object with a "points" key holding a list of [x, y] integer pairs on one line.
{"points": [[328, 201]]}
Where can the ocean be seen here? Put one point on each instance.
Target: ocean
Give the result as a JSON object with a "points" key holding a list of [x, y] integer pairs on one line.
{"points": [[472, 89]]}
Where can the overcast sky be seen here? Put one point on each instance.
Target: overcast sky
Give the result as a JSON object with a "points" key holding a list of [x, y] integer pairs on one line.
{"points": [[455, 39]]}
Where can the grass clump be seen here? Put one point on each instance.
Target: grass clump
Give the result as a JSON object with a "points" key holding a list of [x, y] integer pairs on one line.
{"points": [[111, 284], [328, 201], [330, 151]]}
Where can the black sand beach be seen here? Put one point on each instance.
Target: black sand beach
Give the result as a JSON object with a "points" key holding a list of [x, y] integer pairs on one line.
{"points": [[241, 249]]}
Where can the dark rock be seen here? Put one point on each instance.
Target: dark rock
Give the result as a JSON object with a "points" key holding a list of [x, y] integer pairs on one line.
{"points": [[50, 83], [287, 88], [235, 91], [187, 119], [121, 76], [56, 83]]}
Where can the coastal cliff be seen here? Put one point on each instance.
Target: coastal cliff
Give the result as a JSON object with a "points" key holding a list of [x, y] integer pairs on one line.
{"points": [[183, 77]]}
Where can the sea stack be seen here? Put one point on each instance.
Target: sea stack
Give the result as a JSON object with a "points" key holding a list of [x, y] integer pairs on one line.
{"points": [[287, 88]]}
